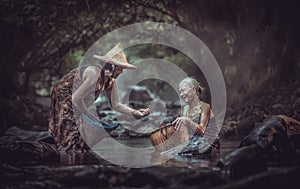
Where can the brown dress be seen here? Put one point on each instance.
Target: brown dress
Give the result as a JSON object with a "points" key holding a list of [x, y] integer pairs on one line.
{"points": [[65, 123]]}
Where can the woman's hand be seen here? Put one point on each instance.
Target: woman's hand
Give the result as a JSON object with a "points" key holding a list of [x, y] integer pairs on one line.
{"points": [[181, 121], [145, 111], [141, 112], [200, 129]]}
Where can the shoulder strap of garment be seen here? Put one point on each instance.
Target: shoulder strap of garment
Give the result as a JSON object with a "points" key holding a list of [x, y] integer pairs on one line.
{"points": [[81, 70]]}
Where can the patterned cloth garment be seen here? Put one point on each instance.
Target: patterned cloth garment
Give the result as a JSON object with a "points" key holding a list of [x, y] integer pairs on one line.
{"points": [[66, 124]]}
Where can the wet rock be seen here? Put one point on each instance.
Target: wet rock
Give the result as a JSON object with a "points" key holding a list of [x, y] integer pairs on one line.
{"points": [[271, 136], [267, 143], [203, 180], [93, 177], [293, 126], [28, 152], [15, 176], [89, 176], [277, 178], [102, 103], [139, 96], [44, 184], [9, 173], [120, 131], [197, 147], [15, 133], [143, 180], [34, 110], [243, 162], [6, 168], [87, 172], [43, 137], [22, 146]]}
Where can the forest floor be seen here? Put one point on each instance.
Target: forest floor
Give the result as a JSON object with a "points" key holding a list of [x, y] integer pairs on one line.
{"points": [[265, 102]]}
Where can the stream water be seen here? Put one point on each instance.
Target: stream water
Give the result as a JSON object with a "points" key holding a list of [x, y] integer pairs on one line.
{"points": [[115, 153]]}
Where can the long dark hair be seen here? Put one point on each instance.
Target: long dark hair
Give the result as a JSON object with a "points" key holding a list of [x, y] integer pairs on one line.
{"points": [[105, 66]]}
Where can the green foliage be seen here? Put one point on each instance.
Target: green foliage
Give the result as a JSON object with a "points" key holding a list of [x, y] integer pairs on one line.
{"points": [[41, 82], [42, 33], [71, 61]]}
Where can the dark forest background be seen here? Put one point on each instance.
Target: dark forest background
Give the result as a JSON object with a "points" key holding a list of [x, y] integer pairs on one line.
{"points": [[256, 44]]}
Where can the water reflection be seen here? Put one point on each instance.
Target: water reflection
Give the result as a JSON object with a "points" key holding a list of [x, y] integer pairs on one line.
{"points": [[151, 156], [129, 153], [80, 159]]}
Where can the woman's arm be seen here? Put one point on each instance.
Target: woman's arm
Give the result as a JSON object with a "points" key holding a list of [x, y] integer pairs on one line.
{"points": [[89, 77], [186, 121], [204, 115], [116, 105], [198, 128], [204, 119]]}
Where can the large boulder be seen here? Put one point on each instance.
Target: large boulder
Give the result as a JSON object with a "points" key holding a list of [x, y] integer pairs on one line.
{"points": [[22, 146], [275, 141], [271, 135]]}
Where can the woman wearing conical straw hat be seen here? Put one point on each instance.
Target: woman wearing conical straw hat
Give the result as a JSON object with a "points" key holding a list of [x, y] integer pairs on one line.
{"points": [[71, 124]]}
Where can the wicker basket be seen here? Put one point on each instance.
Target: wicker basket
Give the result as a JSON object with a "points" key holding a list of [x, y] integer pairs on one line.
{"points": [[167, 137]]}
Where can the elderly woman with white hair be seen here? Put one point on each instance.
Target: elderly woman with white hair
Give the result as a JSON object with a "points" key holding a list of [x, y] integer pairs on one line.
{"points": [[197, 121]]}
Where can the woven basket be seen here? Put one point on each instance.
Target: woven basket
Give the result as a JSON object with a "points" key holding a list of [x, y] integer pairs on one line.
{"points": [[167, 137]]}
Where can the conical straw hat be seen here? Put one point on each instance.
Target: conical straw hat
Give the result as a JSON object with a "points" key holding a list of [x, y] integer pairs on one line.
{"points": [[116, 56]]}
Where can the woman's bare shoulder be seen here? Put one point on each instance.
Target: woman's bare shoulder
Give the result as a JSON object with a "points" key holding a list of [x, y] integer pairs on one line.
{"points": [[91, 71], [205, 105], [207, 109]]}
